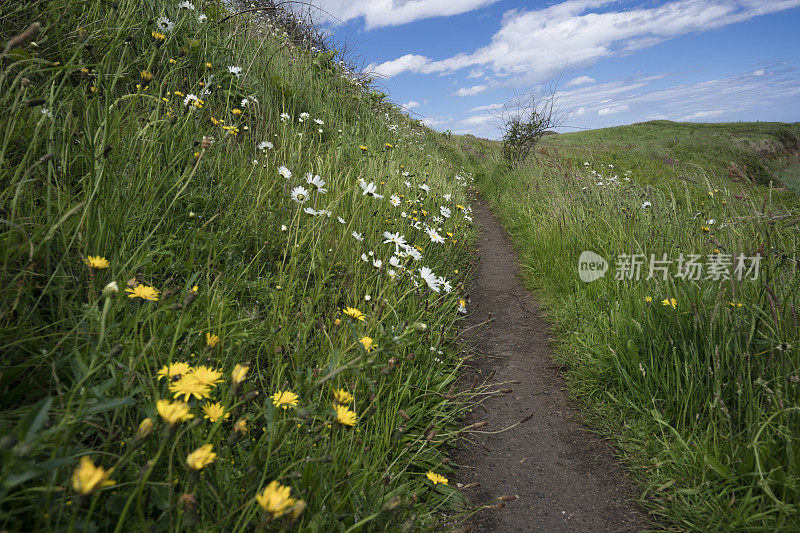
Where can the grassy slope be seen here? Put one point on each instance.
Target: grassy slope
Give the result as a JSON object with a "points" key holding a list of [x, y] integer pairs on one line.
{"points": [[97, 158], [702, 398]]}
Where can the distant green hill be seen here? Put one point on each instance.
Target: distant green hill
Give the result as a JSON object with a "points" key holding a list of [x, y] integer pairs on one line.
{"points": [[748, 152]]}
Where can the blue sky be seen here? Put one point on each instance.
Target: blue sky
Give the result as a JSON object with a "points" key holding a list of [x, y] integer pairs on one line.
{"points": [[456, 62]]}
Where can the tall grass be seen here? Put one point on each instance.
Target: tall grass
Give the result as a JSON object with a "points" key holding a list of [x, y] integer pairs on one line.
{"points": [[147, 234], [703, 394]]}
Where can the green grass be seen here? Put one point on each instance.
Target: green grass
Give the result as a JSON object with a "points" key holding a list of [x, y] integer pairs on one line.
{"points": [[703, 398], [103, 154]]}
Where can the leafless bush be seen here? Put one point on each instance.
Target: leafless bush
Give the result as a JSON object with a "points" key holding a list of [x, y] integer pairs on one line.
{"points": [[525, 120]]}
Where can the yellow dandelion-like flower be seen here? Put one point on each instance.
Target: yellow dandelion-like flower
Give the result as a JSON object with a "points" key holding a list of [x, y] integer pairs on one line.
{"points": [[239, 374], [189, 386], [173, 412], [158, 36], [146, 75], [215, 411], [648, 299], [670, 302], [174, 370], [211, 339], [201, 457], [275, 499], [240, 426], [145, 428], [345, 416], [436, 478], [144, 292], [342, 396], [208, 64], [87, 477], [389, 145], [363, 148], [207, 375], [705, 229], [354, 313], [284, 399], [368, 343], [96, 261], [236, 111]]}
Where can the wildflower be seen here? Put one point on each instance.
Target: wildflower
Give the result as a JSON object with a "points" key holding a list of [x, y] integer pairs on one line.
{"points": [[342, 396], [165, 25], [354, 313], [425, 187], [304, 116], [275, 499], [316, 183], [236, 71], [396, 238], [144, 292], [706, 229], [434, 235], [239, 374], [145, 428], [87, 477], [211, 339], [285, 117], [670, 302], [236, 111], [388, 145], [285, 172], [215, 411], [201, 457], [429, 278], [207, 375], [363, 148], [96, 261], [240, 426], [345, 416], [189, 386], [300, 195], [368, 343], [462, 306], [444, 211], [46, 112], [447, 199], [436, 478], [284, 399], [358, 236], [146, 75], [265, 145], [191, 98], [173, 370], [370, 189], [648, 299], [394, 200], [377, 263], [202, 18], [318, 121], [341, 220], [646, 205], [173, 412], [186, 5]]}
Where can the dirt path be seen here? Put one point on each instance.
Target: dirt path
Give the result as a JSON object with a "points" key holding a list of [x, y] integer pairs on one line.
{"points": [[567, 479]]}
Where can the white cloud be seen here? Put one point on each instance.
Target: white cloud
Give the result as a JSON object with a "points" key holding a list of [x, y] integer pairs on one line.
{"points": [[471, 91], [535, 45], [478, 120], [612, 110], [580, 80], [702, 114], [489, 107], [411, 105], [412, 62], [759, 72], [378, 13]]}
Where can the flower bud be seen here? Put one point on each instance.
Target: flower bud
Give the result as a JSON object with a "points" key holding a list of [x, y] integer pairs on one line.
{"points": [[111, 289]]}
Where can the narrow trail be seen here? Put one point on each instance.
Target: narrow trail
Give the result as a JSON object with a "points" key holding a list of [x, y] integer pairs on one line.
{"points": [[567, 478]]}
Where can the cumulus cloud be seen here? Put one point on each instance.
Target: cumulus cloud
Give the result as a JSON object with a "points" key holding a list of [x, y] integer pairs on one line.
{"points": [[702, 114], [471, 91], [411, 105], [759, 72], [612, 110], [580, 80], [379, 13], [535, 45]]}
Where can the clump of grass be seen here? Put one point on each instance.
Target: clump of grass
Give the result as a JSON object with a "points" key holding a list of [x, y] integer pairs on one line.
{"points": [[697, 379], [188, 207]]}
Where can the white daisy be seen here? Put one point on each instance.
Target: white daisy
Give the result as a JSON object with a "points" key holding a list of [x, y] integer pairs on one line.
{"points": [[316, 183], [46, 112], [394, 200], [429, 278], [318, 121], [444, 211], [300, 195], [190, 98], [285, 172], [358, 236], [284, 117], [435, 237], [164, 24], [377, 263], [646, 205], [394, 261], [341, 220], [446, 287], [414, 254], [236, 71], [186, 5], [446, 197], [265, 145], [202, 18], [370, 189], [425, 187], [396, 238], [364, 258]]}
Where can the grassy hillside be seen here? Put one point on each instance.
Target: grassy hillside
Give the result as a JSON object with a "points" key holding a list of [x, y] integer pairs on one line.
{"points": [[748, 152], [696, 377], [230, 276]]}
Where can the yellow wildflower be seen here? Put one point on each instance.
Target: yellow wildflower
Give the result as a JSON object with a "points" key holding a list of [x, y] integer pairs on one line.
{"points": [[368, 343], [345, 416], [145, 427], [144, 292], [275, 499], [146, 75], [284, 399], [363, 148], [211, 339], [648, 299], [342, 396], [189, 386], [670, 302], [236, 111], [173, 412], [354, 313], [87, 477], [207, 375], [96, 261], [215, 411], [436, 478], [174, 370], [240, 426], [239, 374], [201, 457]]}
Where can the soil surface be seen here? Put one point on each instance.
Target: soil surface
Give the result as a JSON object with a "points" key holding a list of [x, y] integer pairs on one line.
{"points": [[567, 478]]}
